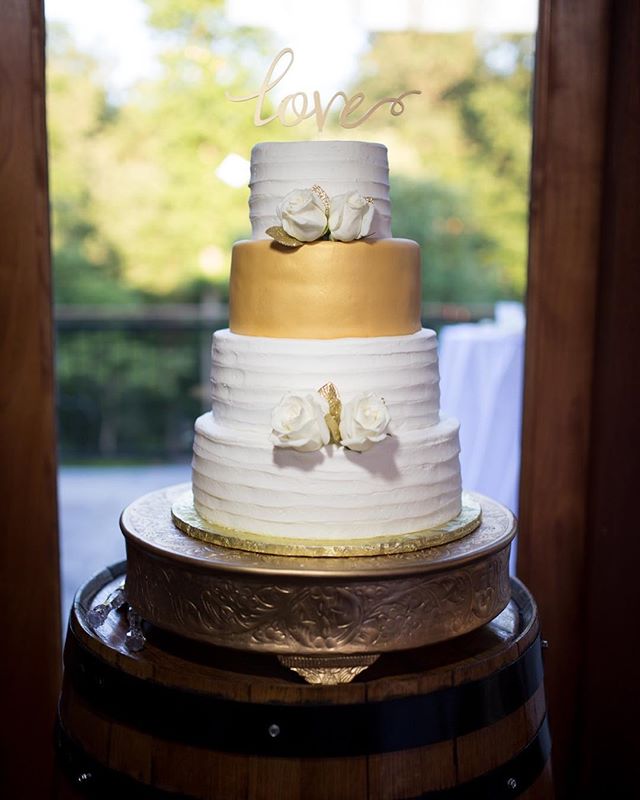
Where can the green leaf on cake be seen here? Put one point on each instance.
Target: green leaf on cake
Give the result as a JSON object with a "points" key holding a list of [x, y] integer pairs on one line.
{"points": [[278, 233]]}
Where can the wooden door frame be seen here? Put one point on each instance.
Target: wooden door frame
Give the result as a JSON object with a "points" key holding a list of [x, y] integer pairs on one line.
{"points": [[578, 549], [29, 568]]}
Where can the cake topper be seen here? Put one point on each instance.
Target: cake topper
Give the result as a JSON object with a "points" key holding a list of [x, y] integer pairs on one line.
{"points": [[296, 107]]}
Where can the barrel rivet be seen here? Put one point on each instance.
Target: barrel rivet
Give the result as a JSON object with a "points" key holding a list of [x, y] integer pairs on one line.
{"points": [[544, 643], [83, 777], [274, 730], [512, 783]]}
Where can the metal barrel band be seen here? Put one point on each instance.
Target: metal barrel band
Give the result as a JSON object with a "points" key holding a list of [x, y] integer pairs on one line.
{"points": [[506, 781], [306, 730]]}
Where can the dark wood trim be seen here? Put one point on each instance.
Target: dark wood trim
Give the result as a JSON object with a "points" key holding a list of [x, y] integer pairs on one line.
{"points": [[29, 572], [608, 728], [581, 399], [568, 157]]}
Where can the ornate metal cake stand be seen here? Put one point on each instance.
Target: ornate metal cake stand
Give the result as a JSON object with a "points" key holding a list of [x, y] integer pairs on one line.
{"points": [[326, 618]]}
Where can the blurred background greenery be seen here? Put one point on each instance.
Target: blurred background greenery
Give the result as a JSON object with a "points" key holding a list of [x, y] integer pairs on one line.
{"points": [[142, 226]]}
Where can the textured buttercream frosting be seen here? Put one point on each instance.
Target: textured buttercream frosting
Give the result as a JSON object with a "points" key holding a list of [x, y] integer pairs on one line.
{"points": [[278, 168], [250, 375], [409, 482]]}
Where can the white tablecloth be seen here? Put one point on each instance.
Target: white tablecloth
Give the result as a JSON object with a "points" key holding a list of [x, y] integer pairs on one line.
{"points": [[481, 369]]}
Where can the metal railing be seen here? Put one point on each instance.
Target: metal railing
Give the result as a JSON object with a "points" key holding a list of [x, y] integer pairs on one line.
{"points": [[130, 381]]}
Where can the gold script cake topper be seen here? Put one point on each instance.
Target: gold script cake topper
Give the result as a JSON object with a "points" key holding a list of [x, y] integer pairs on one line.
{"points": [[296, 107]]}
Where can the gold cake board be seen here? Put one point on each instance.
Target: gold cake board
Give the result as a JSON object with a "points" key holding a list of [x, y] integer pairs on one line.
{"points": [[325, 617], [186, 517]]}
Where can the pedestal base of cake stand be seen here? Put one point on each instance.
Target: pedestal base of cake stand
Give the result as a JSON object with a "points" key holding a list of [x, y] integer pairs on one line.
{"points": [[326, 618]]}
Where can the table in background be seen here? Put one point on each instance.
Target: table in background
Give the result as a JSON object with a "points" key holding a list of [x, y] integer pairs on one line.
{"points": [[481, 378]]}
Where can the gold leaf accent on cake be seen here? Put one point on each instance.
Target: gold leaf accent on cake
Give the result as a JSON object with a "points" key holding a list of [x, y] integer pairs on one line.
{"points": [[278, 233], [324, 197], [334, 429], [330, 394]]}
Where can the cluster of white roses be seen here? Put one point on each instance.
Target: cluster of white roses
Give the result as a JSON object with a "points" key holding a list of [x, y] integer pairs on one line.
{"points": [[299, 421], [308, 214]]}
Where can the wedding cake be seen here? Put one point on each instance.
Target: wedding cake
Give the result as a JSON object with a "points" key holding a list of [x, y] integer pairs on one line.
{"points": [[325, 420]]}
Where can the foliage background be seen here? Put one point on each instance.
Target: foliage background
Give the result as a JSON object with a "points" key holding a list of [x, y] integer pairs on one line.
{"points": [[140, 218]]}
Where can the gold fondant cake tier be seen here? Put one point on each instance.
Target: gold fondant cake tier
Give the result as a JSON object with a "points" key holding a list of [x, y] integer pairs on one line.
{"points": [[325, 290]]}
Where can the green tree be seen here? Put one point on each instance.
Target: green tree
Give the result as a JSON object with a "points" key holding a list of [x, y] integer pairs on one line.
{"points": [[140, 215], [86, 264], [123, 393], [493, 104], [452, 246], [172, 219], [468, 131]]}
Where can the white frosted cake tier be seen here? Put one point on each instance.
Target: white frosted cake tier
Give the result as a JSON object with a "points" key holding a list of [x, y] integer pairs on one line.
{"points": [[278, 168], [354, 310], [250, 375], [409, 482]]}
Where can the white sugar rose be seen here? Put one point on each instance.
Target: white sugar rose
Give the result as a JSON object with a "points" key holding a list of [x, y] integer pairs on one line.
{"points": [[298, 422], [303, 215], [350, 216], [363, 422]]}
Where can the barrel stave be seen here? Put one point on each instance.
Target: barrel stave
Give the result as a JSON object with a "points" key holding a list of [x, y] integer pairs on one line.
{"points": [[459, 748]]}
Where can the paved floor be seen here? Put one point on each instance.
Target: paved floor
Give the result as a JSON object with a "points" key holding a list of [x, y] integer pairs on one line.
{"points": [[91, 500]]}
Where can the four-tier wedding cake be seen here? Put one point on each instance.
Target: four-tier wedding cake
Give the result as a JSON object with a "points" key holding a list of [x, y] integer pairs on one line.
{"points": [[325, 421]]}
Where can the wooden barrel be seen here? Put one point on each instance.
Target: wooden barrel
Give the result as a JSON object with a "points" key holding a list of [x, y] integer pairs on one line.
{"points": [[459, 720]]}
